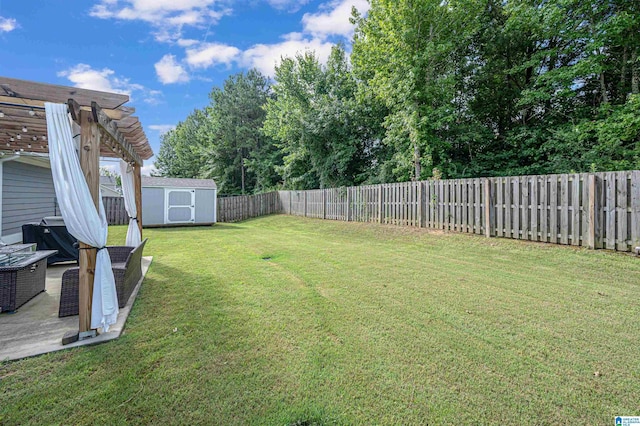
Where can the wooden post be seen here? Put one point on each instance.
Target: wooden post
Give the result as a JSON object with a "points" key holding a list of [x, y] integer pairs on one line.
{"points": [[137, 187], [305, 202], [380, 203], [622, 212], [564, 210], [591, 213], [487, 208], [635, 211], [420, 204], [89, 162], [324, 203], [348, 205], [575, 210]]}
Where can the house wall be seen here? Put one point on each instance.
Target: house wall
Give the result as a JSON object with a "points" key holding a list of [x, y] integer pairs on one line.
{"points": [[152, 206], [27, 196], [205, 205]]}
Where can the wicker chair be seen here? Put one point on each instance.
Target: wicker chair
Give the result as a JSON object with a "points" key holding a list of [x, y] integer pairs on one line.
{"points": [[126, 263]]}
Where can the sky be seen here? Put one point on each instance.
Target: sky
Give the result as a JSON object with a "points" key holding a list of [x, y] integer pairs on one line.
{"points": [[166, 55]]}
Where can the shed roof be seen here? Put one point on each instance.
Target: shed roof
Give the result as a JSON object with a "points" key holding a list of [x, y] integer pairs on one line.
{"points": [[107, 191], [108, 180], [178, 182]]}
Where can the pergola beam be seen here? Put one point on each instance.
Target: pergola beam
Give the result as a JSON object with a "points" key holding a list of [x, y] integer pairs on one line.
{"points": [[127, 121], [15, 88], [112, 130], [21, 122], [109, 140], [120, 113], [134, 135]]}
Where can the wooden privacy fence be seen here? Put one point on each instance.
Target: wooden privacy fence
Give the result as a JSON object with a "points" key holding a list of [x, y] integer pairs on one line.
{"points": [[233, 209], [229, 209], [115, 210], [595, 210]]}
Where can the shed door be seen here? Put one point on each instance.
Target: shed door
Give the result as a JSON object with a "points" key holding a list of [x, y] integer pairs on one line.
{"points": [[180, 205]]}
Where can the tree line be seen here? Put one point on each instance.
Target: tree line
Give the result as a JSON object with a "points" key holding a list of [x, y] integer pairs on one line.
{"points": [[431, 88]]}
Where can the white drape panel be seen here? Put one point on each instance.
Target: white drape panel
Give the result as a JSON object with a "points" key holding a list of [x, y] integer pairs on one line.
{"points": [[129, 194], [79, 212]]}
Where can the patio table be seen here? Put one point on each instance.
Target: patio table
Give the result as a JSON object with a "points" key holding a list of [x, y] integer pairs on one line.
{"points": [[22, 274], [17, 248]]}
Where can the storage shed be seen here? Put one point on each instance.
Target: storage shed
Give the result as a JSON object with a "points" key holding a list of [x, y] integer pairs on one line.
{"points": [[176, 202]]}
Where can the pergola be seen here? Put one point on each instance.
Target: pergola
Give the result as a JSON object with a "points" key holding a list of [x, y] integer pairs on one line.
{"points": [[106, 127]]}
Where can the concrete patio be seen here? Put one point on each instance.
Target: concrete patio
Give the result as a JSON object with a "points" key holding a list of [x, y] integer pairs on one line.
{"points": [[35, 328]]}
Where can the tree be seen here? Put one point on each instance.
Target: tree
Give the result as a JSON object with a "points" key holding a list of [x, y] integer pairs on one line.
{"points": [[573, 79], [239, 156], [490, 87], [315, 118], [405, 52], [181, 148]]}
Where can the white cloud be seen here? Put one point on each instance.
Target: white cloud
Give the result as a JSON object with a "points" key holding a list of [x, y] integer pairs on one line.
{"points": [[333, 19], [153, 97], [85, 77], [167, 34], [7, 24], [265, 57], [106, 80], [114, 167], [147, 10], [190, 17], [290, 5], [209, 54], [110, 167], [170, 71], [187, 42], [167, 16], [148, 170], [162, 128]]}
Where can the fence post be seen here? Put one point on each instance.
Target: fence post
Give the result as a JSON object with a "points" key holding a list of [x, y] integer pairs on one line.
{"points": [[324, 204], [380, 203], [591, 219], [635, 210], [419, 204], [305, 202], [487, 208], [348, 204]]}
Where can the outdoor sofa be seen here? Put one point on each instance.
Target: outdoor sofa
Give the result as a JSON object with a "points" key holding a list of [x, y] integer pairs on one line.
{"points": [[126, 263]]}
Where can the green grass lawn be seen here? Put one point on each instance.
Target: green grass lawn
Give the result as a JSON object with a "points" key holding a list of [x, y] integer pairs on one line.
{"points": [[284, 320]]}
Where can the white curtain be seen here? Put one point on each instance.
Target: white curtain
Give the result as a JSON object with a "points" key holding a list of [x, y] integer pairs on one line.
{"points": [[79, 212], [128, 192]]}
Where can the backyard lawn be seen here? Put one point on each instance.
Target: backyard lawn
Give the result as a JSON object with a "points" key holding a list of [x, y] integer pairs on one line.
{"points": [[292, 321]]}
